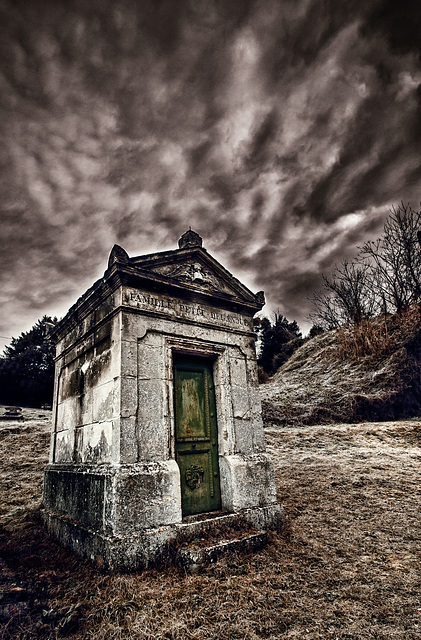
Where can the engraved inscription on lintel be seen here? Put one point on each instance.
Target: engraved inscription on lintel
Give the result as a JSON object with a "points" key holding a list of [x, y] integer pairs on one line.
{"points": [[179, 308]]}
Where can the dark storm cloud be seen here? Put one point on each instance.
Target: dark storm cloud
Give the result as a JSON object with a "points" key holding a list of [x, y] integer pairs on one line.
{"points": [[281, 131], [399, 22], [259, 151]]}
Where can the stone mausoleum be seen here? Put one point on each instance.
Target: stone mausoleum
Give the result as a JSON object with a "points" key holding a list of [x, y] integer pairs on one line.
{"points": [[157, 415]]}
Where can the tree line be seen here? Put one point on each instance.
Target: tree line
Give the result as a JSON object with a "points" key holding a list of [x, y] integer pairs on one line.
{"points": [[27, 367]]}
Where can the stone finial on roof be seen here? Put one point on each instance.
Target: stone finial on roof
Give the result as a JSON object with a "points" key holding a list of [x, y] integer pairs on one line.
{"points": [[117, 255], [190, 239]]}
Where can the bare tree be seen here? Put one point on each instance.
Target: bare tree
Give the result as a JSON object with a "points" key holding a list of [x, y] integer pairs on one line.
{"points": [[395, 260], [347, 296], [384, 278], [325, 312]]}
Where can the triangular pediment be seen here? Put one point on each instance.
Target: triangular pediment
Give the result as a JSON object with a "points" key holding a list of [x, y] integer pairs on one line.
{"points": [[196, 273], [195, 269]]}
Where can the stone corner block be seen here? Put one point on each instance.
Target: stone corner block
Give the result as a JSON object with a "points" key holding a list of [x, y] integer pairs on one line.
{"points": [[146, 495], [247, 481]]}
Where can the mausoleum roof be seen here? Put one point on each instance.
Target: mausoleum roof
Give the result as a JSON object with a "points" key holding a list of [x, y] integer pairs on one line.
{"points": [[188, 272], [190, 266]]}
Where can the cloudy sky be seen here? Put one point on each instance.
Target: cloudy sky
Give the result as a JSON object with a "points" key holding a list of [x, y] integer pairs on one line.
{"points": [[281, 130]]}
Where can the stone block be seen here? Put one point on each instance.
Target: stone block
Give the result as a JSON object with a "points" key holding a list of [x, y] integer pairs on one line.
{"points": [[68, 414], [240, 402], [105, 308], [70, 381], [128, 398], [102, 334], [226, 430], [193, 559], [129, 358], [77, 492], [94, 443], [156, 448], [238, 371], [246, 481], [243, 436], [258, 434], [126, 447], [114, 369], [222, 370], [151, 361], [153, 420], [252, 378], [133, 327], [86, 411], [147, 495], [103, 402], [152, 398], [96, 370], [64, 446]]}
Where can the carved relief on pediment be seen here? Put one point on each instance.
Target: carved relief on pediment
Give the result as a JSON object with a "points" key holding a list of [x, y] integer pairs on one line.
{"points": [[194, 273]]}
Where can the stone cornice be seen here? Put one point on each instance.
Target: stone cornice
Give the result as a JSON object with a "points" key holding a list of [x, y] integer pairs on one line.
{"points": [[134, 275]]}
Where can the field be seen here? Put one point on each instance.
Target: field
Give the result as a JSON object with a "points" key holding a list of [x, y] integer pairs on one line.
{"points": [[347, 564]]}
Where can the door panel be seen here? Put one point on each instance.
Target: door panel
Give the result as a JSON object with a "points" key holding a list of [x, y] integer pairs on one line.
{"points": [[191, 422], [196, 437]]}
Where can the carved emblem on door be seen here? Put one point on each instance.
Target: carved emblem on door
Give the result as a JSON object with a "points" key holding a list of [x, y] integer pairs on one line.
{"points": [[194, 476]]}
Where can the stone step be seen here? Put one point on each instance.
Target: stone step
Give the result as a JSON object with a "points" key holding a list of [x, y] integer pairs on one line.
{"points": [[193, 525], [243, 519], [192, 558]]}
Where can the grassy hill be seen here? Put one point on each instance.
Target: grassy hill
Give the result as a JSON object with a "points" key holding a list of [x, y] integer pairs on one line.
{"points": [[371, 372]]}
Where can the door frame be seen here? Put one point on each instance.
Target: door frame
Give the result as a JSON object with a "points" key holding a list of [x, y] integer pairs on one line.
{"points": [[216, 353], [204, 444]]}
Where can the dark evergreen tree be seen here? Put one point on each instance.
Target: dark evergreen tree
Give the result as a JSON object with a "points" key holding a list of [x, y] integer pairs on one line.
{"points": [[27, 367], [278, 341], [315, 330]]}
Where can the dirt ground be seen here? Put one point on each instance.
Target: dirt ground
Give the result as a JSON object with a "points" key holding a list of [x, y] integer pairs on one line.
{"points": [[347, 564]]}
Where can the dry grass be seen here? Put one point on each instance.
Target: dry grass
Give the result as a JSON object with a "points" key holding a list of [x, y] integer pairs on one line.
{"points": [[374, 338], [347, 565], [368, 372]]}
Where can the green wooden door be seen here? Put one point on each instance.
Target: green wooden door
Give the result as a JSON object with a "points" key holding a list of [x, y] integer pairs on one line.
{"points": [[196, 435]]}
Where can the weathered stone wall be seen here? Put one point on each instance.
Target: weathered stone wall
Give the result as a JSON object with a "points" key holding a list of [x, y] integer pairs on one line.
{"points": [[147, 424], [114, 398], [87, 390]]}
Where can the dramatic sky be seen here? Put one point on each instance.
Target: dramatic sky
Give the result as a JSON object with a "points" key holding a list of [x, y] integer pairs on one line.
{"points": [[282, 131]]}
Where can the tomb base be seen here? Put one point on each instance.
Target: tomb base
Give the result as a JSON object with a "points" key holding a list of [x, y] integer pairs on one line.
{"points": [[127, 517]]}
